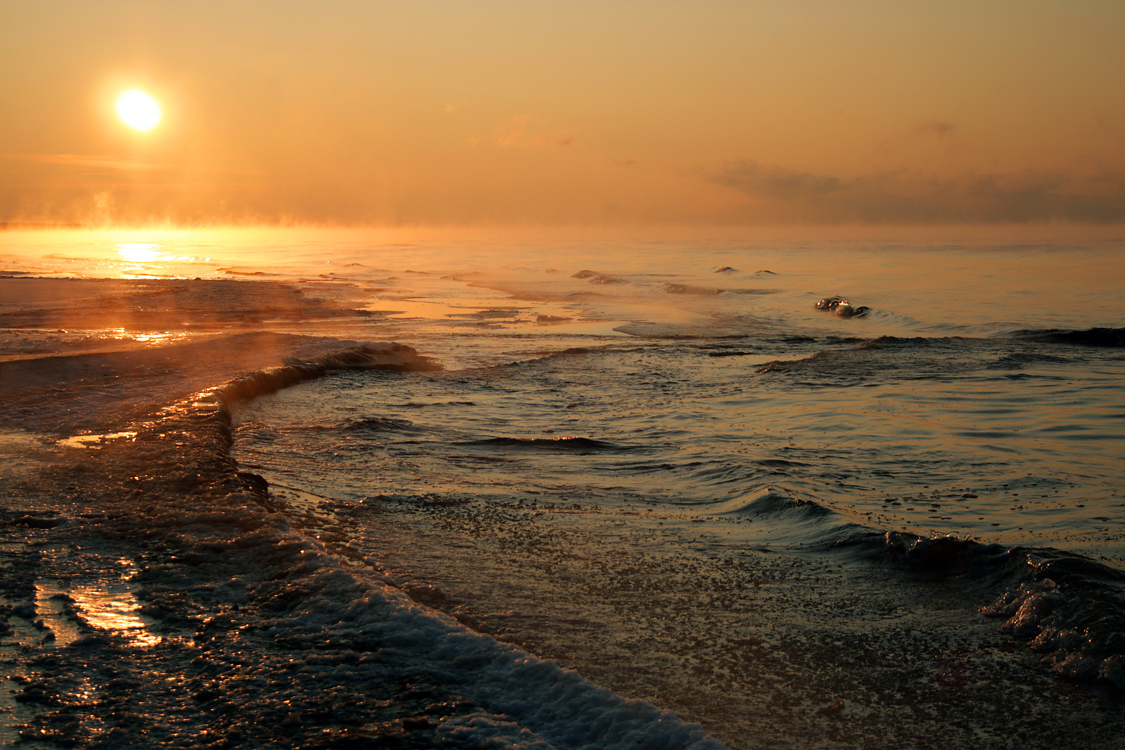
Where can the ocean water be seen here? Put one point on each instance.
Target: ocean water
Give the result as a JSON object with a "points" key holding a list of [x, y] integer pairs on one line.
{"points": [[599, 492]]}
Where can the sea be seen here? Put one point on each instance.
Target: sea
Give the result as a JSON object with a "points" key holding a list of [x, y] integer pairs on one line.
{"points": [[322, 488]]}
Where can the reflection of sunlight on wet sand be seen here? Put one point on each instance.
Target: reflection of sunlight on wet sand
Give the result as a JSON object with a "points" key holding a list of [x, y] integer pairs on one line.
{"points": [[157, 338], [146, 338], [86, 441], [102, 605], [115, 609]]}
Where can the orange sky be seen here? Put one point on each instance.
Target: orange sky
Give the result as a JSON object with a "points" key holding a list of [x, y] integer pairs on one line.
{"points": [[451, 112]]}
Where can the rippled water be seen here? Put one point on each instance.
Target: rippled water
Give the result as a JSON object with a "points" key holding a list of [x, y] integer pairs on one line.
{"points": [[660, 465]]}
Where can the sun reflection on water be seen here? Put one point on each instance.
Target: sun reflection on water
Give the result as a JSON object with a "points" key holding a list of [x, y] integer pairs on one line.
{"points": [[148, 260], [139, 252]]}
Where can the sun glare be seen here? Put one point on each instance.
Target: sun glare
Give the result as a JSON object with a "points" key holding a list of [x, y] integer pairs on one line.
{"points": [[138, 110], [138, 252]]}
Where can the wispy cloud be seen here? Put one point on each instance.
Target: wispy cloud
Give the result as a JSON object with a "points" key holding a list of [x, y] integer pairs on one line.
{"points": [[913, 197], [934, 127], [87, 161], [530, 131]]}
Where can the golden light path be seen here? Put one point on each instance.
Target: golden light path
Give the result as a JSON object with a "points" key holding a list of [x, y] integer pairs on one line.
{"points": [[138, 110]]}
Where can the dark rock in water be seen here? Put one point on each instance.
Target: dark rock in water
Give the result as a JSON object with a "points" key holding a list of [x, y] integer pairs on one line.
{"points": [[255, 483], [831, 303], [38, 523], [26, 611], [841, 307], [597, 278]]}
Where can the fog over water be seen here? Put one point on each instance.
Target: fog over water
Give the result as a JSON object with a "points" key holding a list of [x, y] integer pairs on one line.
{"points": [[599, 494]]}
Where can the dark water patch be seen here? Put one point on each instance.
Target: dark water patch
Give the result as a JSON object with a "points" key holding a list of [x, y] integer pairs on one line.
{"points": [[665, 331], [792, 365], [658, 467], [570, 444], [1018, 360], [37, 521], [986, 434], [886, 319], [491, 314], [578, 351], [1099, 337], [705, 291], [693, 290], [706, 474], [751, 291], [877, 360], [913, 343], [380, 424]]}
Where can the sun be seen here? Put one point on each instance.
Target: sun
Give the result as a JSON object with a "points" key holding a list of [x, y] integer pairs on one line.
{"points": [[138, 110]]}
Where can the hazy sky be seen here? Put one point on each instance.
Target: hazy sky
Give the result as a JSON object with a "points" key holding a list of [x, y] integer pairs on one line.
{"points": [[472, 111]]}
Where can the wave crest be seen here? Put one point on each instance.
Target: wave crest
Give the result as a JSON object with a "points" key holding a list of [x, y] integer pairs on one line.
{"points": [[389, 356]]}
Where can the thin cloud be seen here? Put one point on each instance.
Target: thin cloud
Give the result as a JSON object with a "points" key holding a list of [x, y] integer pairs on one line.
{"points": [[776, 183], [910, 197], [934, 127], [92, 163], [529, 131], [86, 161]]}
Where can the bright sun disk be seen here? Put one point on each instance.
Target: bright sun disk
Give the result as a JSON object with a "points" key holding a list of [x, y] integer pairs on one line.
{"points": [[138, 110]]}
